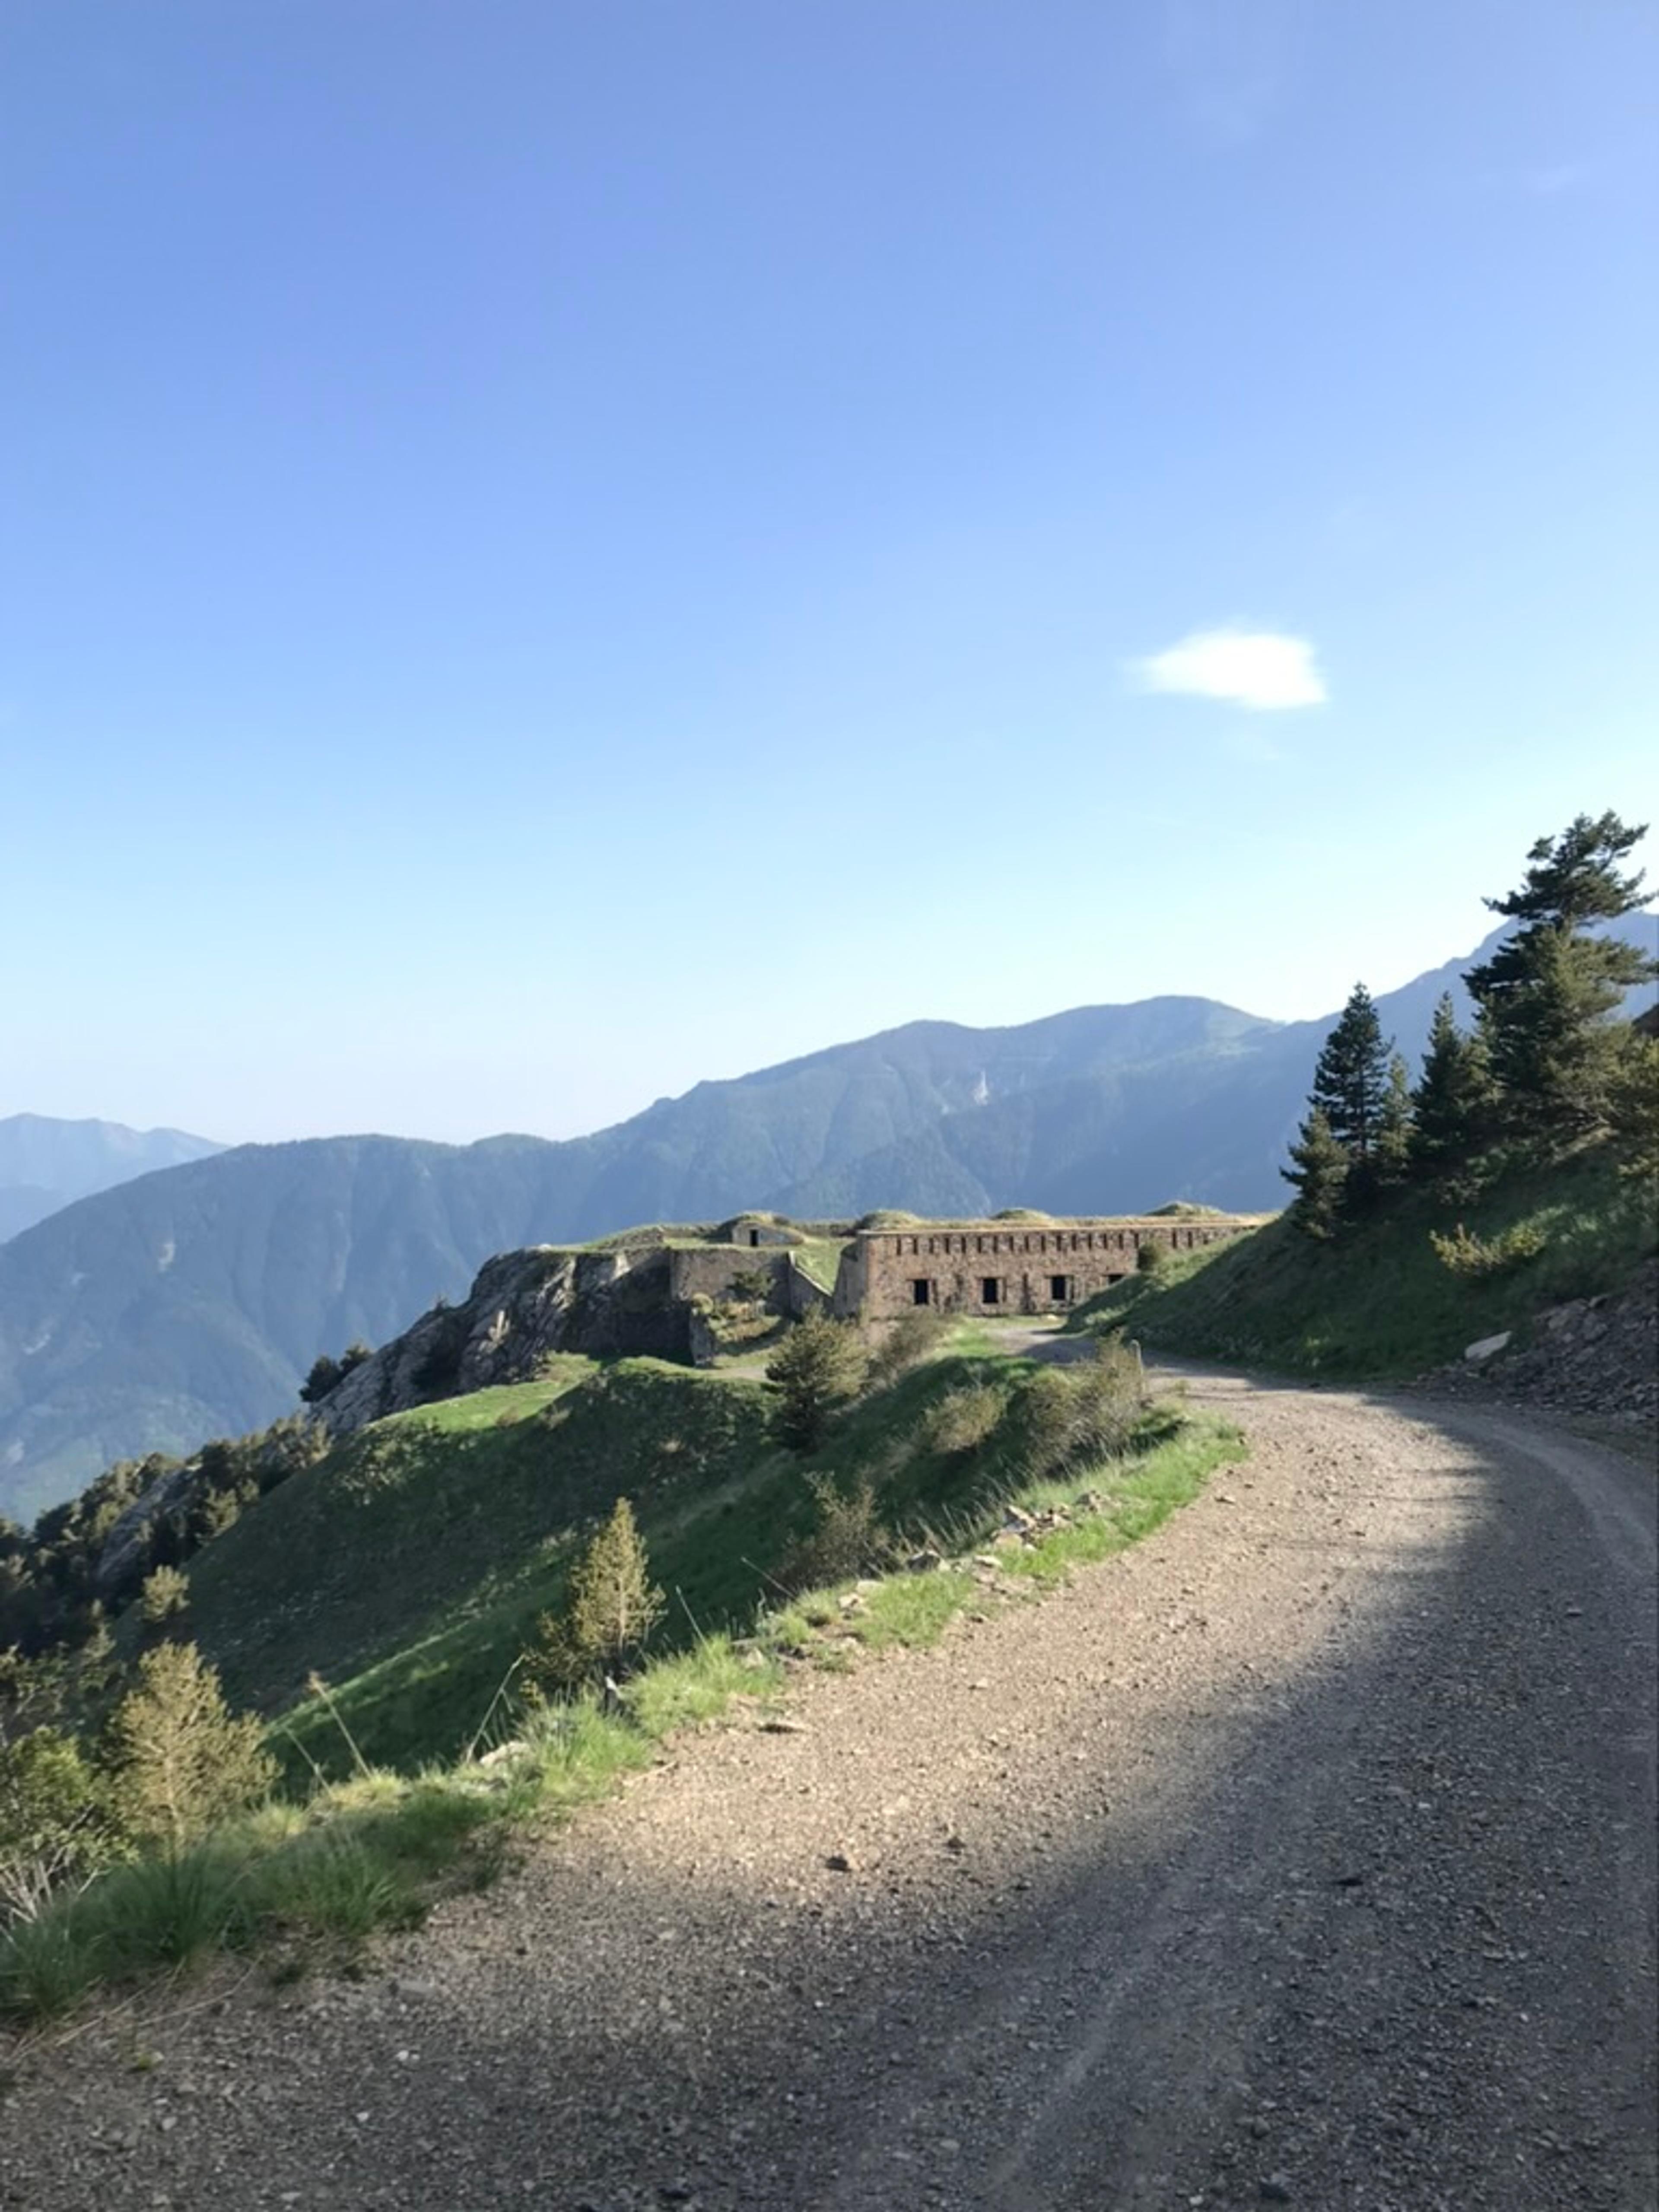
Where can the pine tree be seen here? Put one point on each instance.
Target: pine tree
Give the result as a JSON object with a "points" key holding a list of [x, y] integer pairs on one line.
{"points": [[1451, 1105], [820, 1361], [179, 1759], [1320, 1173], [612, 1608], [1547, 995], [1392, 1159], [1633, 1106], [1350, 1084]]}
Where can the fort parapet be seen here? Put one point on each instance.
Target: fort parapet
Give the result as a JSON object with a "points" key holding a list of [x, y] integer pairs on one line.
{"points": [[1007, 1266]]}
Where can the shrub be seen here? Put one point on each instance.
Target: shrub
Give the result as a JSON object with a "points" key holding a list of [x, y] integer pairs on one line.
{"points": [[912, 1338], [1151, 1259], [54, 1833], [611, 1609], [847, 1539], [325, 1373], [178, 1758], [1074, 1416], [820, 1363], [962, 1420], [1477, 1259], [165, 1595]]}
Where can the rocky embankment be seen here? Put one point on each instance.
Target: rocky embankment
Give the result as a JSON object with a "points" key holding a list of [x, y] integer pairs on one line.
{"points": [[1594, 1359]]}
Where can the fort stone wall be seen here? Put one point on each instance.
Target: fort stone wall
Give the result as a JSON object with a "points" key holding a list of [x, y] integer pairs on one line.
{"points": [[1001, 1266]]}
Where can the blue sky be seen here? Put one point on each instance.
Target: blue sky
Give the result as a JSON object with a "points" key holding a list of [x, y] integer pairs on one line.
{"points": [[548, 551]]}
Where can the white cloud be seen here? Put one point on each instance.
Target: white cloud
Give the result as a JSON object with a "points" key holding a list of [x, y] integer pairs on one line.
{"points": [[1254, 668]]}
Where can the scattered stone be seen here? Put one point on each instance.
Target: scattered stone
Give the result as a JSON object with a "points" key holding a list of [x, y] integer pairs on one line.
{"points": [[1276, 2190], [923, 1562], [781, 1724], [839, 1863]]}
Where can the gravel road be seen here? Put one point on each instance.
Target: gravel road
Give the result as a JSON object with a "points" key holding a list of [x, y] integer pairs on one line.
{"points": [[1304, 1854]]}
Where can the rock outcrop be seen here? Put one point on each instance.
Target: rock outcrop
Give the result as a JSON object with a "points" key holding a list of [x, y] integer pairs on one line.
{"points": [[522, 1306]]}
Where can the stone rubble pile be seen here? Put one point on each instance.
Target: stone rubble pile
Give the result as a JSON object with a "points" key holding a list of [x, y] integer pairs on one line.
{"points": [[1597, 1356]]}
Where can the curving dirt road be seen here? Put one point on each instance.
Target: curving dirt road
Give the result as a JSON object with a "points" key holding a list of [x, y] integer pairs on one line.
{"points": [[1304, 1854]]}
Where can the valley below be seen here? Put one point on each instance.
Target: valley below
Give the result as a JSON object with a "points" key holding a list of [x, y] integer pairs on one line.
{"points": [[1303, 1854]]}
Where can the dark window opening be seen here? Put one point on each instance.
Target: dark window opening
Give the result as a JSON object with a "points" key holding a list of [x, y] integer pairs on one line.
{"points": [[754, 1237], [990, 1291], [921, 1292], [1058, 1290]]}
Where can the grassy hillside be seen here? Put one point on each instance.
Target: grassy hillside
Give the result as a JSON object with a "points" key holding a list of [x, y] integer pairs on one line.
{"points": [[408, 1569], [1379, 1303], [410, 1566]]}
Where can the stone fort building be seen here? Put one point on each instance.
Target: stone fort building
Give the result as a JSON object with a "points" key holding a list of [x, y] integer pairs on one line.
{"points": [[1007, 1266]]}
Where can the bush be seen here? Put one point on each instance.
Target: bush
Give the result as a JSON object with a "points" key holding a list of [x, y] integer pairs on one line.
{"points": [[165, 1595], [962, 1420], [847, 1539], [178, 1758], [325, 1373], [1151, 1259], [1477, 1259], [912, 1338], [1075, 1416], [53, 1834]]}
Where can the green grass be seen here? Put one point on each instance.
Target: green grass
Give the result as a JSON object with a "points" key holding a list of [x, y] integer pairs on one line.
{"points": [[1377, 1303], [819, 1257]]}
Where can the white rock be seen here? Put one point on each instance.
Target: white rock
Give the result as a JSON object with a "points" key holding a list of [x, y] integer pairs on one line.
{"points": [[1486, 1348]]}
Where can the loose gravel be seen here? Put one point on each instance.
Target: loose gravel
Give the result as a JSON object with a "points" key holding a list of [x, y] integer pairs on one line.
{"points": [[1304, 1854]]}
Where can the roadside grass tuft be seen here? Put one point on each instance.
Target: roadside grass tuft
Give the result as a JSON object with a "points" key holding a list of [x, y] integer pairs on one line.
{"points": [[913, 1610], [688, 1689]]}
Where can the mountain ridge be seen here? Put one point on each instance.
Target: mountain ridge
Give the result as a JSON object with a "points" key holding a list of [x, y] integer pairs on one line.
{"points": [[47, 1163], [190, 1302]]}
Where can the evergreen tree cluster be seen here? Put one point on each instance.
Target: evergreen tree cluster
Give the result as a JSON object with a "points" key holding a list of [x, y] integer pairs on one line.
{"points": [[1548, 1065]]}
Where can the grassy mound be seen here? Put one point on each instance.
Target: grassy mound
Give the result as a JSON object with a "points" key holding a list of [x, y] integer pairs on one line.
{"points": [[1379, 1302]]}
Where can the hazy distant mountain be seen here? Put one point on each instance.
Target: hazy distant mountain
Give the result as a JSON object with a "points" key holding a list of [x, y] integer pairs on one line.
{"points": [[189, 1303], [44, 1164]]}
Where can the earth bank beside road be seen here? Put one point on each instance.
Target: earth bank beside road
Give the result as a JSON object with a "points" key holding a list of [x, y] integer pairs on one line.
{"points": [[1306, 1849]]}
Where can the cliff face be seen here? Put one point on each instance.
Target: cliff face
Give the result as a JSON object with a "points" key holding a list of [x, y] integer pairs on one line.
{"points": [[521, 1306]]}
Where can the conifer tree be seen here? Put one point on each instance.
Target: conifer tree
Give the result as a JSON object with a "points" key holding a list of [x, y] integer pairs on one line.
{"points": [[1451, 1105], [1392, 1161], [611, 1609], [1351, 1078], [1634, 1105], [180, 1759], [1547, 995], [819, 1363], [1319, 1170]]}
